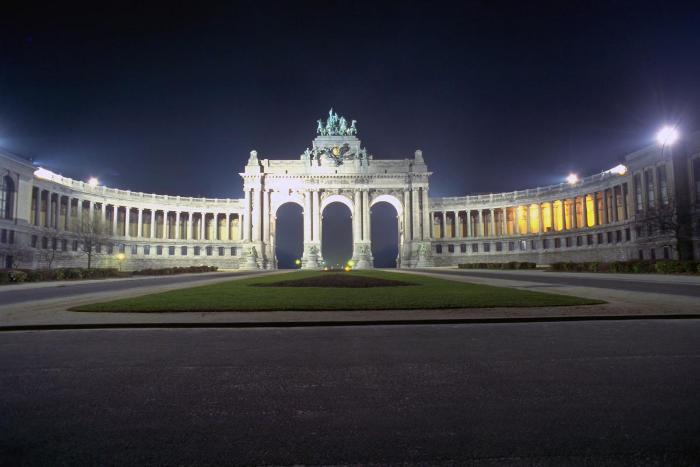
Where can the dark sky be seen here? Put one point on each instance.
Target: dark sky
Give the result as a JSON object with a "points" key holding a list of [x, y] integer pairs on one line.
{"points": [[499, 96]]}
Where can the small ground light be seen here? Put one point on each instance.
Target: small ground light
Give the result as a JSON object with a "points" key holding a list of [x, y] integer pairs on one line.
{"points": [[297, 262], [93, 182], [347, 268], [120, 258], [572, 178], [350, 263], [667, 136]]}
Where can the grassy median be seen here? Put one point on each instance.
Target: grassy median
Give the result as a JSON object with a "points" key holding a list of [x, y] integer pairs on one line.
{"points": [[261, 294]]}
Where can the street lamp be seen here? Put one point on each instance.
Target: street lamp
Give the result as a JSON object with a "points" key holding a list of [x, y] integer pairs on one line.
{"points": [[572, 178], [120, 258], [667, 135]]}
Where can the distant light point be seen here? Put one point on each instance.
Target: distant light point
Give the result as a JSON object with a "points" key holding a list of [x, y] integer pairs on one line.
{"points": [[93, 182], [572, 178]]}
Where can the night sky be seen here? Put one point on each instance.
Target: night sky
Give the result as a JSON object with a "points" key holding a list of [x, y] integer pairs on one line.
{"points": [[498, 96]]}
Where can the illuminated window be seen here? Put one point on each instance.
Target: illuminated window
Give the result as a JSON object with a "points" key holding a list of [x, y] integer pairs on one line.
{"points": [[638, 204], [651, 193], [7, 191]]}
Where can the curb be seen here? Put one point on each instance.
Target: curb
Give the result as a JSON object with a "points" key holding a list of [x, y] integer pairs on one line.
{"points": [[297, 324]]}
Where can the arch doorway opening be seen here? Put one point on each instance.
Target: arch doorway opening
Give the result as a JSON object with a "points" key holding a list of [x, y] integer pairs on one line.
{"points": [[384, 231], [336, 235], [289, 235]]}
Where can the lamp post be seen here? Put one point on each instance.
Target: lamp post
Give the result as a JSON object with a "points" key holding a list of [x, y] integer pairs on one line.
{"points": [[120, 258]]}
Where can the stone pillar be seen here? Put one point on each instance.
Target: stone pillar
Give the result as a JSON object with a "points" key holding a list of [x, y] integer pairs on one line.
{"points": [[480, 223], [37, 205], [492, 219], [596, 220], [504, 222], [257, 218], [427, 235], [178, 230], [357, 217], [188, 227], [365, 216], [202, 226], [584, 211], [307, 217], [528, 230], [442, 231], [139, 224], [246, 218], [563, 215], [79, 213], [615, 200], [266, 216], [316, 217], [468, 214], [415, 213], [406, 215], [606, 217]]}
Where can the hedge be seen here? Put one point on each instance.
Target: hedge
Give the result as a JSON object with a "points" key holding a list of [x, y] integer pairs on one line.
{"points": [[509, 265], [634, 266], [174, 270]]}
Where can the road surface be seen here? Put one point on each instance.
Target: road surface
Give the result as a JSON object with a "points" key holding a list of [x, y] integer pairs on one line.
{"points": [[687, 286], [583, 393]]}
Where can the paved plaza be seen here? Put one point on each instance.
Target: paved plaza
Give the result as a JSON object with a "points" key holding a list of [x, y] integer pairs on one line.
{"points": [[584, 393]]}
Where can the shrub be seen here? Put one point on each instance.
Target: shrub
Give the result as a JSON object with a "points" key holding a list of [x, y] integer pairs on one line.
{"points": [[8, 276], [175, 270]]}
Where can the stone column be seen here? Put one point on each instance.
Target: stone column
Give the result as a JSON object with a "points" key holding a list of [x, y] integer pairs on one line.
{"points": [[246, 218], [528, 230], [616, 214], [596, 220], [357, 217], [203, 230], [625, 200], [37, 205], [257, 218], [427, 235], [79, 212], [606, 217], [139, 224], [316, 217], [468, 214], [188, 227], [178, 230], [265, 214], [480, 223], [562, 214], [492, 219], [307, 217], [584, 211], [365, 216], [415, 213], [572, 214], [407, 215]]}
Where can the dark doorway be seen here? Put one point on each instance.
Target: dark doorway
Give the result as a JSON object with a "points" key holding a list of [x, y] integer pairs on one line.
{"points": [[289, 235], [385, 235]]}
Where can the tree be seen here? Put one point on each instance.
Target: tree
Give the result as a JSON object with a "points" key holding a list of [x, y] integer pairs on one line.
{"points": [[668, 220], [19, 252], [54, 251], [91, 234]]}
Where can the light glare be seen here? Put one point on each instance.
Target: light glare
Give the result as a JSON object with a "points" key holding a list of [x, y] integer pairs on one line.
{"points": [[93, 182], [667, 136], [572, 178]]}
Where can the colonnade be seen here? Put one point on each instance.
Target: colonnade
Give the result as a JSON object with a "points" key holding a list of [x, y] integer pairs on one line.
{"points": [[588, 210], [65, 213]]}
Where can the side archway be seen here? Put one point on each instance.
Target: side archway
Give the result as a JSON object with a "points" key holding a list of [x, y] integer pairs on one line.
{"points": [[287, 233], [385, 231]]}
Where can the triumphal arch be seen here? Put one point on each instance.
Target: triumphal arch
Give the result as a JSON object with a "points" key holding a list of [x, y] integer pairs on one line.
{"points": [[336, 168]]}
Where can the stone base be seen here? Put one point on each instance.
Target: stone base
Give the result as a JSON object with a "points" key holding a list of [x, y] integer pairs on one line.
{"points": [[362, 256], [311, 259]]}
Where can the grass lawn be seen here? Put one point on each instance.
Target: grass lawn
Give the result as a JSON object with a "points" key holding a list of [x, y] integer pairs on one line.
{"points": [[425, 292]]}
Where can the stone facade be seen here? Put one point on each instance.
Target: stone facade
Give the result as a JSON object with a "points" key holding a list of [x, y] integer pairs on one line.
{"points": [[646, 208]]}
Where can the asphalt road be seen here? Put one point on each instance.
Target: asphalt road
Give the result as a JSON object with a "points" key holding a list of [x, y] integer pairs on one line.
{"points": [[584, 393], [628, 283], [31, 294]]}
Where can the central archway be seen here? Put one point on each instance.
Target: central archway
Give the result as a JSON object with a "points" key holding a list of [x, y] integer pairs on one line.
{"points": [[336, 233], [288, 235]]}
